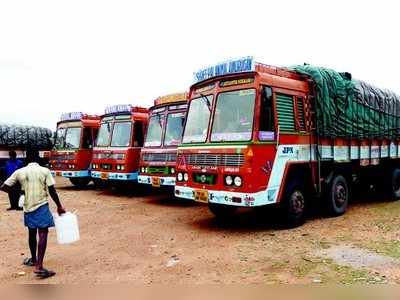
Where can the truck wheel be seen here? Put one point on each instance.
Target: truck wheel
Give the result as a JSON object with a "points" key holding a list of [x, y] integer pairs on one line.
{"points": [[337, 197], [80, 183], [221, 211], [395, 185], [294, 205]]}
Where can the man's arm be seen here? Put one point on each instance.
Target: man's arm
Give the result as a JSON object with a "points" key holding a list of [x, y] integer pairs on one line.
{"points": [[11, 181], [6, 188], [53, 193], [54, 196]]}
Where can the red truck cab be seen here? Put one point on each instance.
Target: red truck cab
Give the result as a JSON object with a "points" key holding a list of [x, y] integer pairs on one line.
{"points": [[245, 125], [72, 152], [164, 134], [117, 151]]}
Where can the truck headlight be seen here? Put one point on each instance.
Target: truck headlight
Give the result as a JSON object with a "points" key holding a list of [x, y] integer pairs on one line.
{"points": [[228, 180], [120, 167], [186, 177], [238, 181], [180, 177], [142, 169], [172, 171]]}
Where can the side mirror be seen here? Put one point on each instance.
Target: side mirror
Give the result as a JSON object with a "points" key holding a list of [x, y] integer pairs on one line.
{"points": [[54, 138], [267, 93]]}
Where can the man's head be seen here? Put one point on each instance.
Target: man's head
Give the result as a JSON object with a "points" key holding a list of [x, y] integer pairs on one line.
{"points": [[32, 156], [13, 155]]}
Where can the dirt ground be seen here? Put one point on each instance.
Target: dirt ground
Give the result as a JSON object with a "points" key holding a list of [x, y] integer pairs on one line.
{"points": [[152, 238]]}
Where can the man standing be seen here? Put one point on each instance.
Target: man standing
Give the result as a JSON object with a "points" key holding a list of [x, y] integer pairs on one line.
{"points": [[37, 184], [11, 166]]}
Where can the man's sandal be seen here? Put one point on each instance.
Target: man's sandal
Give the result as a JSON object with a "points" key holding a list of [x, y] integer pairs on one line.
{"points": [[43, 274], [29, 262]]}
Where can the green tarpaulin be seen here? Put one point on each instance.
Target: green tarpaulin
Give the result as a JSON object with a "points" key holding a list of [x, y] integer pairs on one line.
{"points": [[351, 108]]}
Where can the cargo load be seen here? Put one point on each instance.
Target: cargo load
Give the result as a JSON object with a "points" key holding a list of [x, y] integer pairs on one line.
{"points": [[22, 137], [350, 108]]}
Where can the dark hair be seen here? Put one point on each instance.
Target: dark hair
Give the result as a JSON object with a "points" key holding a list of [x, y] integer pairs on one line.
{"points": [[32, 155], [12, 154]]}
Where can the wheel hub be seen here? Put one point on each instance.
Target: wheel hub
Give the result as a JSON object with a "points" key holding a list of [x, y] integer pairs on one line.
{"points": [[340, 195], [396, 184], [298, 202]]}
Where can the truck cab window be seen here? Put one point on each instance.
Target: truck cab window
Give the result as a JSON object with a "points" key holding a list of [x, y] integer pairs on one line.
{"points": [[138, 135], [266, 125], [87, 138]]}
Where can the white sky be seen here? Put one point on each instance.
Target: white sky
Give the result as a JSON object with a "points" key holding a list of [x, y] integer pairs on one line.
{"points": [[61, 56]]}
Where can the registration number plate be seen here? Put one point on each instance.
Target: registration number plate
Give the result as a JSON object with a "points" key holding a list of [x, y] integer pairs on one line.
{"points": [[155, 181], [104, 176], [201, 196]]}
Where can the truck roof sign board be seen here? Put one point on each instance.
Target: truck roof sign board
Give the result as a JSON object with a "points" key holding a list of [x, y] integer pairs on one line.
{"points": [[71, 116], [121, 108], [241, 65], [171, 98]]}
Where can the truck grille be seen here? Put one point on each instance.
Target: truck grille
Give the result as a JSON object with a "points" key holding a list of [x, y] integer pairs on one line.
{"points": [[58, 166], [231, 160], [63, 157], [117, 156], [158, 170], [159, 157]]}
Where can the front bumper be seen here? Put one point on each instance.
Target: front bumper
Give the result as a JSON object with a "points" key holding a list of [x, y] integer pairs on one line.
{"points": [[71, 174], [231, 198], [164, 181], [115, 176]]}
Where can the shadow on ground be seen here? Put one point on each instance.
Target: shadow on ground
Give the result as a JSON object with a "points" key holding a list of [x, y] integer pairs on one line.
{"points": [[163, 199], [268, 218], [74, 188]]}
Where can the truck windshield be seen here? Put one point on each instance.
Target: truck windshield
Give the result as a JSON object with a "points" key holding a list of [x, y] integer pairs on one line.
{"points": [[60, 138], [197, 120], [154, 132], [103, 138], [233, 118], [73, 138], [173, 132], [121, 134]]}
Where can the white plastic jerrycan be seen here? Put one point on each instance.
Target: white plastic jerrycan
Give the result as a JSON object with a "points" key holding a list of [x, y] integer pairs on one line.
{"points": [[67, 228]]}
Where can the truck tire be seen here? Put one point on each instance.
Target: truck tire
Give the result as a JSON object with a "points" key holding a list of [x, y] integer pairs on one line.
{"points": [[80, 183], [395, 185], [337, 196], [221, 211], [293, 208]]}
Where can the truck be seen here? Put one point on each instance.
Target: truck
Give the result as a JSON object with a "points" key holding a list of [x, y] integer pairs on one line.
{"points": [[74, 140], [164, 134], [286, 137], [119, 142]]}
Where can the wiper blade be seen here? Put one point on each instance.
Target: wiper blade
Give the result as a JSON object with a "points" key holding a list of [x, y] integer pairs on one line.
{"points": [[206, 100], [159, 120]]}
